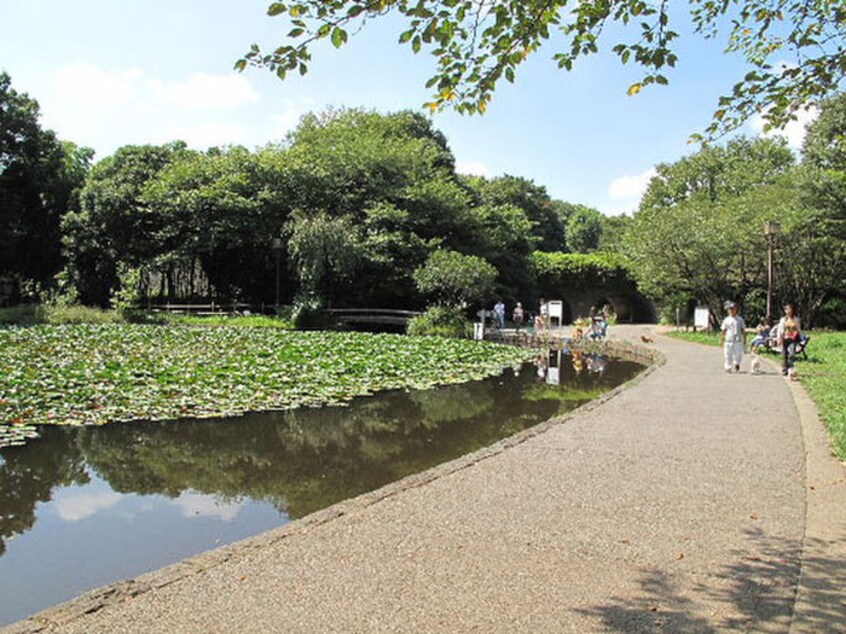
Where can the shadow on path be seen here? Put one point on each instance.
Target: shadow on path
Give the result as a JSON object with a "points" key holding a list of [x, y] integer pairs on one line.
{"points": [[755, 593]]}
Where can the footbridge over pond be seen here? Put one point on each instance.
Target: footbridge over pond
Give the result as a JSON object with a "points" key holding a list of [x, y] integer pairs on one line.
{"points": [[371, 316]]}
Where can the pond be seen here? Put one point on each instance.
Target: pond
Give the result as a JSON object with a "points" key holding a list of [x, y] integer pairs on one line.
{"points": [[85, 506]]}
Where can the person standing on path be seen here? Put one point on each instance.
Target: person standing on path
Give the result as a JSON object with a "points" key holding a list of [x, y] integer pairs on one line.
{"points": [[519, 316], [787, 336], [733, 338], [542, 319], [499, 314]]}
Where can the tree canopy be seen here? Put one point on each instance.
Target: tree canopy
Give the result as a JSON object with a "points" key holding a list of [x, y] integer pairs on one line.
{"points": [[795, 50], [698, 234], [39, 180]]}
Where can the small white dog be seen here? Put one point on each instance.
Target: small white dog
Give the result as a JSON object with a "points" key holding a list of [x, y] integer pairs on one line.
{"points": [[756, 364]]}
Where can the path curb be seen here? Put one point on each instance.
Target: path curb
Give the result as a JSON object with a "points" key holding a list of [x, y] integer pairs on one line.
{"points": [[122, 591], [821, 594]]}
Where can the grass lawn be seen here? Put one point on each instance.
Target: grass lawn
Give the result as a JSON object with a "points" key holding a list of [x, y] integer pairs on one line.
{"points": [[93, 374], [823, 374]]}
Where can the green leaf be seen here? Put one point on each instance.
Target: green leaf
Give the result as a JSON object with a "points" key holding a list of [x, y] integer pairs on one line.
{"points": [[277, 8], [339, 37]]}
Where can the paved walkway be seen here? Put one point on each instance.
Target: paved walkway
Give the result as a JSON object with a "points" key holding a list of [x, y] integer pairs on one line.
{"points": [[693, 501]]}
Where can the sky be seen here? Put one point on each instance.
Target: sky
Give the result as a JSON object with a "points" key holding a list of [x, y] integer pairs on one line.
{"points": [[108, 73]]}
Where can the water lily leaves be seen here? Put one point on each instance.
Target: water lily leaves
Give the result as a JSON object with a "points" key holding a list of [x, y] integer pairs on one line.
{"points": [[93, 374]]}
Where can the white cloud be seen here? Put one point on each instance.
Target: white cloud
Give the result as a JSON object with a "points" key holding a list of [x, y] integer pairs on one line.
{"points": [[107, 108], [203, 91], [794, 131], [472, 168], [87, 84], [199, 505], [631, 187], [75, 507], [626, 192]]}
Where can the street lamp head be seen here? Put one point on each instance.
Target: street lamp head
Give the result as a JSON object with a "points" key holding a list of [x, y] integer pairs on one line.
{"points": [[771, 228], [276, 244]]}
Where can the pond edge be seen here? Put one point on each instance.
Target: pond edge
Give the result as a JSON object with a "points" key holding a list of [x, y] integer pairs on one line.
{"points": [[120, 591]]}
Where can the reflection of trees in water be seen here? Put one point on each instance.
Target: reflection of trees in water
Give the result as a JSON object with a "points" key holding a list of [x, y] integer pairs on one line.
{"points": [[298, 460], [29, 474], [455, 403], [306, 459]]}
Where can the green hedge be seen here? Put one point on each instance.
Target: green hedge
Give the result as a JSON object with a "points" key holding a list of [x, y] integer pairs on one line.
{"points": [[572, 271]]}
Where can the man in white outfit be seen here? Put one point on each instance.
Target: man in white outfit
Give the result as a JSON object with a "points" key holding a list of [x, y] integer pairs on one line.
{"points": [[733, 338]]}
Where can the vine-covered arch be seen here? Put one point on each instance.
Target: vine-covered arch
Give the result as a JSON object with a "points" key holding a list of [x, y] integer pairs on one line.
{"points": [[584, 280]]}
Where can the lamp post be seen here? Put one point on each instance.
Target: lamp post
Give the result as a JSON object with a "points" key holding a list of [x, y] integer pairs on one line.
{"points": [[771, 230], [276, 245]]}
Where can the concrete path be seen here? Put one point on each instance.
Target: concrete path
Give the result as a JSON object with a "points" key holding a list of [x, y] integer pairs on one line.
{"points": [[692, 501]]}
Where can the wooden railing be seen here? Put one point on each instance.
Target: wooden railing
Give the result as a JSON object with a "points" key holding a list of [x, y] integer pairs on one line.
{"points": [[372, 315], [214, 308]]}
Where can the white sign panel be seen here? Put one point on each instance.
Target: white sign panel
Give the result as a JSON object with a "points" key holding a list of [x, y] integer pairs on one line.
{"points": [[700, 317]]}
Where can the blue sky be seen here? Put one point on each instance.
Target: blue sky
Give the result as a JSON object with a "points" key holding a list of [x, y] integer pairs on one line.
{"points": [[107, 73]]}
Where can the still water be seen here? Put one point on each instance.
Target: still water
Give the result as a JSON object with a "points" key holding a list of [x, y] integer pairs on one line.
{"points": [[83, 507]]}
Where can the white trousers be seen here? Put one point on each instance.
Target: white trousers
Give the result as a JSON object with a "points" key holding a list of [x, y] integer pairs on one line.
{"points": [[734, 354]]}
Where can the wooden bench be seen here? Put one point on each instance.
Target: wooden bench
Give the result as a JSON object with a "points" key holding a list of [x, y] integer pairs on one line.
{"points": [[771, 345]]}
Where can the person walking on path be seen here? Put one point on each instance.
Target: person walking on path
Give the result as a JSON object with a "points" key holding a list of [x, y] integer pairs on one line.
{"points": [[733, 338], [787, 336]]}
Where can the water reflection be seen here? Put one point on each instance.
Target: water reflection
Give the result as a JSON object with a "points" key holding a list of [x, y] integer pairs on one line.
{"points": [[91, 505]]}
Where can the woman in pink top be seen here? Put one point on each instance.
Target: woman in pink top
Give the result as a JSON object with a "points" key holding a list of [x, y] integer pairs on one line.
{"points": [[787, 337]]}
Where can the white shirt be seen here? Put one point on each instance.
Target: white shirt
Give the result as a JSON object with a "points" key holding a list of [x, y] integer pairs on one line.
{"points": [[733, 328]]}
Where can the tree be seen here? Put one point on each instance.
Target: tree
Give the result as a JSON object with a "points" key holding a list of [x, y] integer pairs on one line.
{"points": [[821, 242], [694, 249], [39, 180], [716, 172], [325, 251], [219, 210], [824, 152], [613, 230], [584, 229], [394, 177], [810, 260], [477, 44], [504, 239], [533, 199], [698, 232], [825, 139], [113, 223], [453, 279]]}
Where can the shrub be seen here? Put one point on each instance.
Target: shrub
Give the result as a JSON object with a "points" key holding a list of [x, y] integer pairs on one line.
{"points": [[28, 314], [442, 321], [453, 279], [22, 315], [307, 313]]}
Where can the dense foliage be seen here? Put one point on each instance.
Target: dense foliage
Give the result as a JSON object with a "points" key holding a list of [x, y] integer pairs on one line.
{"points": [[698, 236], [342, 213], [360, 209], [95, 374], [39, 181], [582, 270], [453, 279], [477, 44]]}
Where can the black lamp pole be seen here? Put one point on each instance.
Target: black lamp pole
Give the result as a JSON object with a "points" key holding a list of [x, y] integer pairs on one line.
{"points": [[771, 230]]}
